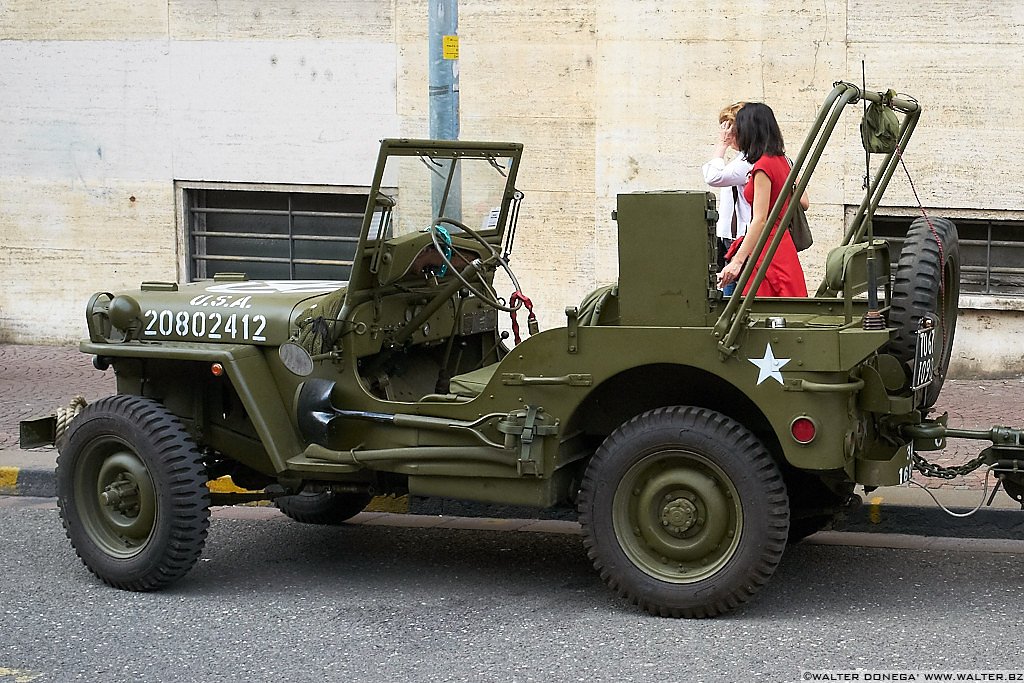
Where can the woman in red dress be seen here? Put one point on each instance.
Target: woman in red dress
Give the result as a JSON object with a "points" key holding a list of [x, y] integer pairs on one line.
{"points": [[759, 138]]}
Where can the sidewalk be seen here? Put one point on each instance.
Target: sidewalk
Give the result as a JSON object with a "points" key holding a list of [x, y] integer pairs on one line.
{"points": [[36, 380]]}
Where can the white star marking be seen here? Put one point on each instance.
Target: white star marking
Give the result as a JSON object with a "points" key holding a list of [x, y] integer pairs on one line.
{"points": [[769, 366]]}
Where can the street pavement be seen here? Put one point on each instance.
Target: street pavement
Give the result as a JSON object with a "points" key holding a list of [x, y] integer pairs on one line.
{"points": [[274, 600], [36, 380]]}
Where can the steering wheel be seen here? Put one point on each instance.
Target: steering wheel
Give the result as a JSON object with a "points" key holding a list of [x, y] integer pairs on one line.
{"points": [[482, 289]]}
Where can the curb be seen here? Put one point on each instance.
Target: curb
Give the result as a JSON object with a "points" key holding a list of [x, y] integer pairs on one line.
{"points": [[931, 520], [21, 481], [38, 482], [900, 514]]}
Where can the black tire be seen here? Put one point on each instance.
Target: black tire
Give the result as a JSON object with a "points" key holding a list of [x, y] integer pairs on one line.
{"points": [[132, 495], [684, 512], [323, 507], [927, 282], [801, 528]]}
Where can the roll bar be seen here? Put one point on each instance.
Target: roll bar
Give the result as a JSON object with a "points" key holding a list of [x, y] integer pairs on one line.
{"points": [[729, 325]]}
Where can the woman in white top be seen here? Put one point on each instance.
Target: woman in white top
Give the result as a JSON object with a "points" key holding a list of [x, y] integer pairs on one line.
{"points": [[733, 208]]}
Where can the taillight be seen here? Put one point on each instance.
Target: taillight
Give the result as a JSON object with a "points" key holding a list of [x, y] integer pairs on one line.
{"points": [[803, 430]]}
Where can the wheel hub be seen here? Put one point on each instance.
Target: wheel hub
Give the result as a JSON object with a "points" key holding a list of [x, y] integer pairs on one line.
{"points": [[122, 505], [679, 515], [122, 495]]}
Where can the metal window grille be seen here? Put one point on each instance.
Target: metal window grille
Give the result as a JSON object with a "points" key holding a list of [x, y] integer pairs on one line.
{"points": [[278, 235], [991, 252]]}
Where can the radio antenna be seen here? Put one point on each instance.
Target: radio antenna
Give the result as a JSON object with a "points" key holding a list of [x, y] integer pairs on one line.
{"points": [[873, 320], [864, 102]]}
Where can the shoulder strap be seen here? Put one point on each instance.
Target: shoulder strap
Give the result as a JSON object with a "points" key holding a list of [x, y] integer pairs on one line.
{"points": [[735, 209]]}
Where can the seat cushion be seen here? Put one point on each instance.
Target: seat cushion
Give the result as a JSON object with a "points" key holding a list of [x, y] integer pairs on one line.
{"points": [[472, 383]]}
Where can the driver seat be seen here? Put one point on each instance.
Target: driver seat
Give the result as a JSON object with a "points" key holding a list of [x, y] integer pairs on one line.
{"points": [[464, 387], [472, 384]]}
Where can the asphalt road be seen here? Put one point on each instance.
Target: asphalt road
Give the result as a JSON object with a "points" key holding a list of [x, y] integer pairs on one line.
{"points": [[275, 600]]}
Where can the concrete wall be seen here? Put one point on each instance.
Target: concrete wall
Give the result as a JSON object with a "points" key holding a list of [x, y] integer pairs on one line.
{"points": [[104, 104], [106, 101]]}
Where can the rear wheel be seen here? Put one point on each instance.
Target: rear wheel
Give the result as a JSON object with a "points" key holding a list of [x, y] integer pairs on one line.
{"points": [[323, 507], [684, 512], [927, 283], [131, 489]]}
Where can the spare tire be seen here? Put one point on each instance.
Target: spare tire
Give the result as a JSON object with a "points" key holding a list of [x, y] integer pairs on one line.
{"points": [[927, 282]]}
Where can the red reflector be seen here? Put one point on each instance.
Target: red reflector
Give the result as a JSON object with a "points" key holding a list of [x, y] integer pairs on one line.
{"points": [[803, 429], [217, 369]]}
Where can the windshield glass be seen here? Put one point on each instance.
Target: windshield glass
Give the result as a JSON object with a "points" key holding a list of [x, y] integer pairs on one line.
{"points": [[418, 189]]}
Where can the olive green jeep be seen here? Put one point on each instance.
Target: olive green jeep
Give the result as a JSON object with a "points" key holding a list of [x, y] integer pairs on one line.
{"points": [[695, 434]]}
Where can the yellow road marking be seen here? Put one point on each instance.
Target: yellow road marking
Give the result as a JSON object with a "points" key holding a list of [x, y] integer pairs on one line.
{"points": [[8, 482], [19, 675], [398, 505], [225, 485], [875, 512]]}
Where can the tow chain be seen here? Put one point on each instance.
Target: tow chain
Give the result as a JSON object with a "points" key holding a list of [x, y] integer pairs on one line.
{"points": [[930, 469]]}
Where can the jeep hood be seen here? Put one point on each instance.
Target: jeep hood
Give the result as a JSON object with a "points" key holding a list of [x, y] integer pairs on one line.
{"points": [[239, 312]]}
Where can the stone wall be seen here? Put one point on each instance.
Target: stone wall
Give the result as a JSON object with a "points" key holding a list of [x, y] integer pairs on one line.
{"points": [[105, 104]]}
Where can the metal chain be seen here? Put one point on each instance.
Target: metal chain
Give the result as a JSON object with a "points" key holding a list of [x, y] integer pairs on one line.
{"points": [[930, 469]]}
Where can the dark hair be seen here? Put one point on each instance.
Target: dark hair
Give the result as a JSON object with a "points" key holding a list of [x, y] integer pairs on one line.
{"points": [[757, 132]]}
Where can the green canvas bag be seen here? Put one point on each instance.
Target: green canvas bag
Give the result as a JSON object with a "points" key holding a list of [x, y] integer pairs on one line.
{"points": [[880, 127]]}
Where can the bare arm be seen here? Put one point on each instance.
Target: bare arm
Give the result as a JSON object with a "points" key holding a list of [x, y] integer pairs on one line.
{"points": [[759, 215]]}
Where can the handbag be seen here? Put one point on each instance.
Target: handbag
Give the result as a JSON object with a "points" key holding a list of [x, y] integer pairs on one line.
{"points": [[799, 229]]}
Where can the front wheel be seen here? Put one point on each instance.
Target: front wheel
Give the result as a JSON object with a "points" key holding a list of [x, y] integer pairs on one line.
{"points": [[131, 490], [684, 512]]}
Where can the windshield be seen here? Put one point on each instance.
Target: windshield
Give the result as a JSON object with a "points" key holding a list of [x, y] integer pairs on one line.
{"points": [[417, 189]]}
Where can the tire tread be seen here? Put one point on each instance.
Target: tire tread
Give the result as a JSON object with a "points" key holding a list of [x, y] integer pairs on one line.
{"points": [[178, 455], [761, 463]]}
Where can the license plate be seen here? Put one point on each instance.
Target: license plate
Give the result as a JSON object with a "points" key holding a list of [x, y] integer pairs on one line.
{"points": [[924, 359]]}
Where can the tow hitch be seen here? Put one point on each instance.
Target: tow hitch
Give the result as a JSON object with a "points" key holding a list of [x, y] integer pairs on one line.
{"points": [[1004, 458]]}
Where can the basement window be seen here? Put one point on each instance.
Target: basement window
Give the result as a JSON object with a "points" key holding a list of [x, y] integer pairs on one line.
{"points": [[991, 252], [285, 233]]}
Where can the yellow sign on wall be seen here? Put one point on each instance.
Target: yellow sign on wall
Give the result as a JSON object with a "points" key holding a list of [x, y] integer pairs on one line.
{"points": [[450, 47]]}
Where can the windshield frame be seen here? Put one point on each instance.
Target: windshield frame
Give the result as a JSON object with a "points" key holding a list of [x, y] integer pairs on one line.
{"points": [[381, 194]]}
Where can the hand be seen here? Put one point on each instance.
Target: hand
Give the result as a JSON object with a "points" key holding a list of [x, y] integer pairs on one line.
{"points": [[731, 272], [726, 135]]}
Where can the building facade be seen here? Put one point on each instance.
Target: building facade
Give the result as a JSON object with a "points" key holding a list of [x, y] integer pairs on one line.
{"points": [[170, 139]]}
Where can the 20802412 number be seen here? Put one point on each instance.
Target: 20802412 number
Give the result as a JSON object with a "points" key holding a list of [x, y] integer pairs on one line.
{"points": [[207, 325]]}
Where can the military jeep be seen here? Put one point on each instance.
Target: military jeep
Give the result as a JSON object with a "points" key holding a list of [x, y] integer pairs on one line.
{"points": [[695, 434]]}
